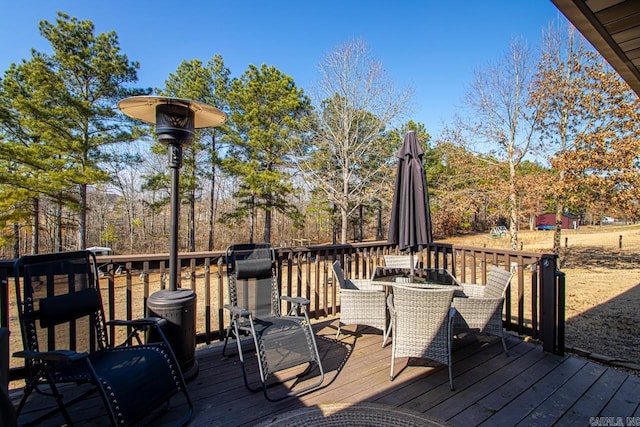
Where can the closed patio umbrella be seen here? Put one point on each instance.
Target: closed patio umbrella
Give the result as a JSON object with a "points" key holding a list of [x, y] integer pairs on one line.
{"points": [[410, 224]]}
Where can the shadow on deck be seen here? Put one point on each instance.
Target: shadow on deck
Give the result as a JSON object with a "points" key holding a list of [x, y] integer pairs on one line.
{"points": [[529, 387]]}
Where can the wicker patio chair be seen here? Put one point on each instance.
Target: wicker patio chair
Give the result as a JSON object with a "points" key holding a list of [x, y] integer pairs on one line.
{"points": [[361, 303], [281, 342], [480, 310], [399, 261], [66, 341], [421, 321]]}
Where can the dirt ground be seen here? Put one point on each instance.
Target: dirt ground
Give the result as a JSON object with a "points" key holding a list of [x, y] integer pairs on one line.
{"points": [[602, 268]]}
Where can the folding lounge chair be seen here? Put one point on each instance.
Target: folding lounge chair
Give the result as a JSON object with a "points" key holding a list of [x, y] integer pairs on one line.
{"points": [[280, 342], [66, 341], [7, 411]]}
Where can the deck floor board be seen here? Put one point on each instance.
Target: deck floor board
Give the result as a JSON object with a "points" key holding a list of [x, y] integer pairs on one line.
{"points": [[529, 386]]}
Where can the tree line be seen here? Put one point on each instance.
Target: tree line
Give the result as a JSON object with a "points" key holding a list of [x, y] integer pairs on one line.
{"points": [[551, 130]]}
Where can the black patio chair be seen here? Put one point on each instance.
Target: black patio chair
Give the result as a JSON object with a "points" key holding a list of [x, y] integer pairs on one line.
{"points": [[7, 411], [65, 339], [281, 342]]}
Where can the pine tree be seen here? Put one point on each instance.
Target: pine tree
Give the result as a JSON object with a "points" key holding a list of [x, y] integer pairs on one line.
{"points": [[63, 104], [268, 120]]}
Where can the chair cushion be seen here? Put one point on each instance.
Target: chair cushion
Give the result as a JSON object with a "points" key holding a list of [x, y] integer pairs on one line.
{"points": [[62, 308], [253, 268]]}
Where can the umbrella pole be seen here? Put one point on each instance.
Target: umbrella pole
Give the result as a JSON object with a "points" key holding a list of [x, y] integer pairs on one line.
{"points": [[411, 267]]}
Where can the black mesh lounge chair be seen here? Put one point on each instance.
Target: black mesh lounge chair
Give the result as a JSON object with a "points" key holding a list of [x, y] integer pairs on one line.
{"points": [[7, 411], [280, 342], [66, 340]]}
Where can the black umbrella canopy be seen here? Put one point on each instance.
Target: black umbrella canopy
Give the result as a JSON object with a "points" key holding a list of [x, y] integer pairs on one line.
{"points": [[410, 225]]}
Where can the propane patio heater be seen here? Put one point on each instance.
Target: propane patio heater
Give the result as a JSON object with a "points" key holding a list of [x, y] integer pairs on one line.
{"points": [[175, 121]]}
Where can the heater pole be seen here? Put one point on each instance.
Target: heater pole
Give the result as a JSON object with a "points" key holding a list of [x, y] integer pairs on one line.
{"points": [[175, 162]]}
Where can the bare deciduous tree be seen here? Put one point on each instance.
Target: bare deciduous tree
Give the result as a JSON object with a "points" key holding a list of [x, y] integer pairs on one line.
{"points": [[356, 103], [502, 117], [590, 126], [558, 85]]}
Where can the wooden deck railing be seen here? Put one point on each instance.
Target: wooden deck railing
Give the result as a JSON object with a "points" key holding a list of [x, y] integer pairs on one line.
{"points": [[534, 304]]}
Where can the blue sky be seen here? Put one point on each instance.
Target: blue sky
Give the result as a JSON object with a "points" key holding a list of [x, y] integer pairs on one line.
{"points": [[432, 46]]}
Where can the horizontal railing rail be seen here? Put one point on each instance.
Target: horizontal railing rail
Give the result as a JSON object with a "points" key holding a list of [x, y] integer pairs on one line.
{"points": [[534, 304]]}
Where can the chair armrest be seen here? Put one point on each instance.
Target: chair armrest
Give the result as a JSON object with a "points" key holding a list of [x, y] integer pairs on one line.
{"points": [[239, 311], [477, 308], [473, 290], [295, 300], [475, 301], [360, 293], [52, 356], [142, 323], [483, 314], [390, 306]]}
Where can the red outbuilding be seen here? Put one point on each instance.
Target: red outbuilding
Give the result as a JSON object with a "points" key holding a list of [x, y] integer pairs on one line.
{"points": [[548, 221]]}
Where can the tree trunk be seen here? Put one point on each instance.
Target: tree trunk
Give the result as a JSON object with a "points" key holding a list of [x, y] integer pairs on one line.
{"points": [[130, 216], [58, 239], [557, 233], [132, 237], [344, 205], [345, 225], [360, 223], [212, 195], [16, 240], [35, 225], [380, 233], [267, 225], [252, 220], [192, 221], [212, 216], [82, 218], [513, 208]]}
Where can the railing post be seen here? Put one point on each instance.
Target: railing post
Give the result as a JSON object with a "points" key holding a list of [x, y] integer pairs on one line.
{"points": [[220, 279], [560, 277], [551, 300]]}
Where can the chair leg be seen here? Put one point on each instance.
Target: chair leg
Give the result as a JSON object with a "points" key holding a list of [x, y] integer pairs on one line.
{"points": [[226, 340], [391, 371], [504, 345], [338, 333], [54, 392], [241, 356], [61, 404], [449, 348], [393, 360], [387, 334], [25, 395]]}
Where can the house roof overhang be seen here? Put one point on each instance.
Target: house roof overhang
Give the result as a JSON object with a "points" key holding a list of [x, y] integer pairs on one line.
{"points": [[613, 28]]}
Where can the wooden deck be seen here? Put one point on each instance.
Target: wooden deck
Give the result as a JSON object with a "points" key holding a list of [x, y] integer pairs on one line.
{"points": [[529, 387]]}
